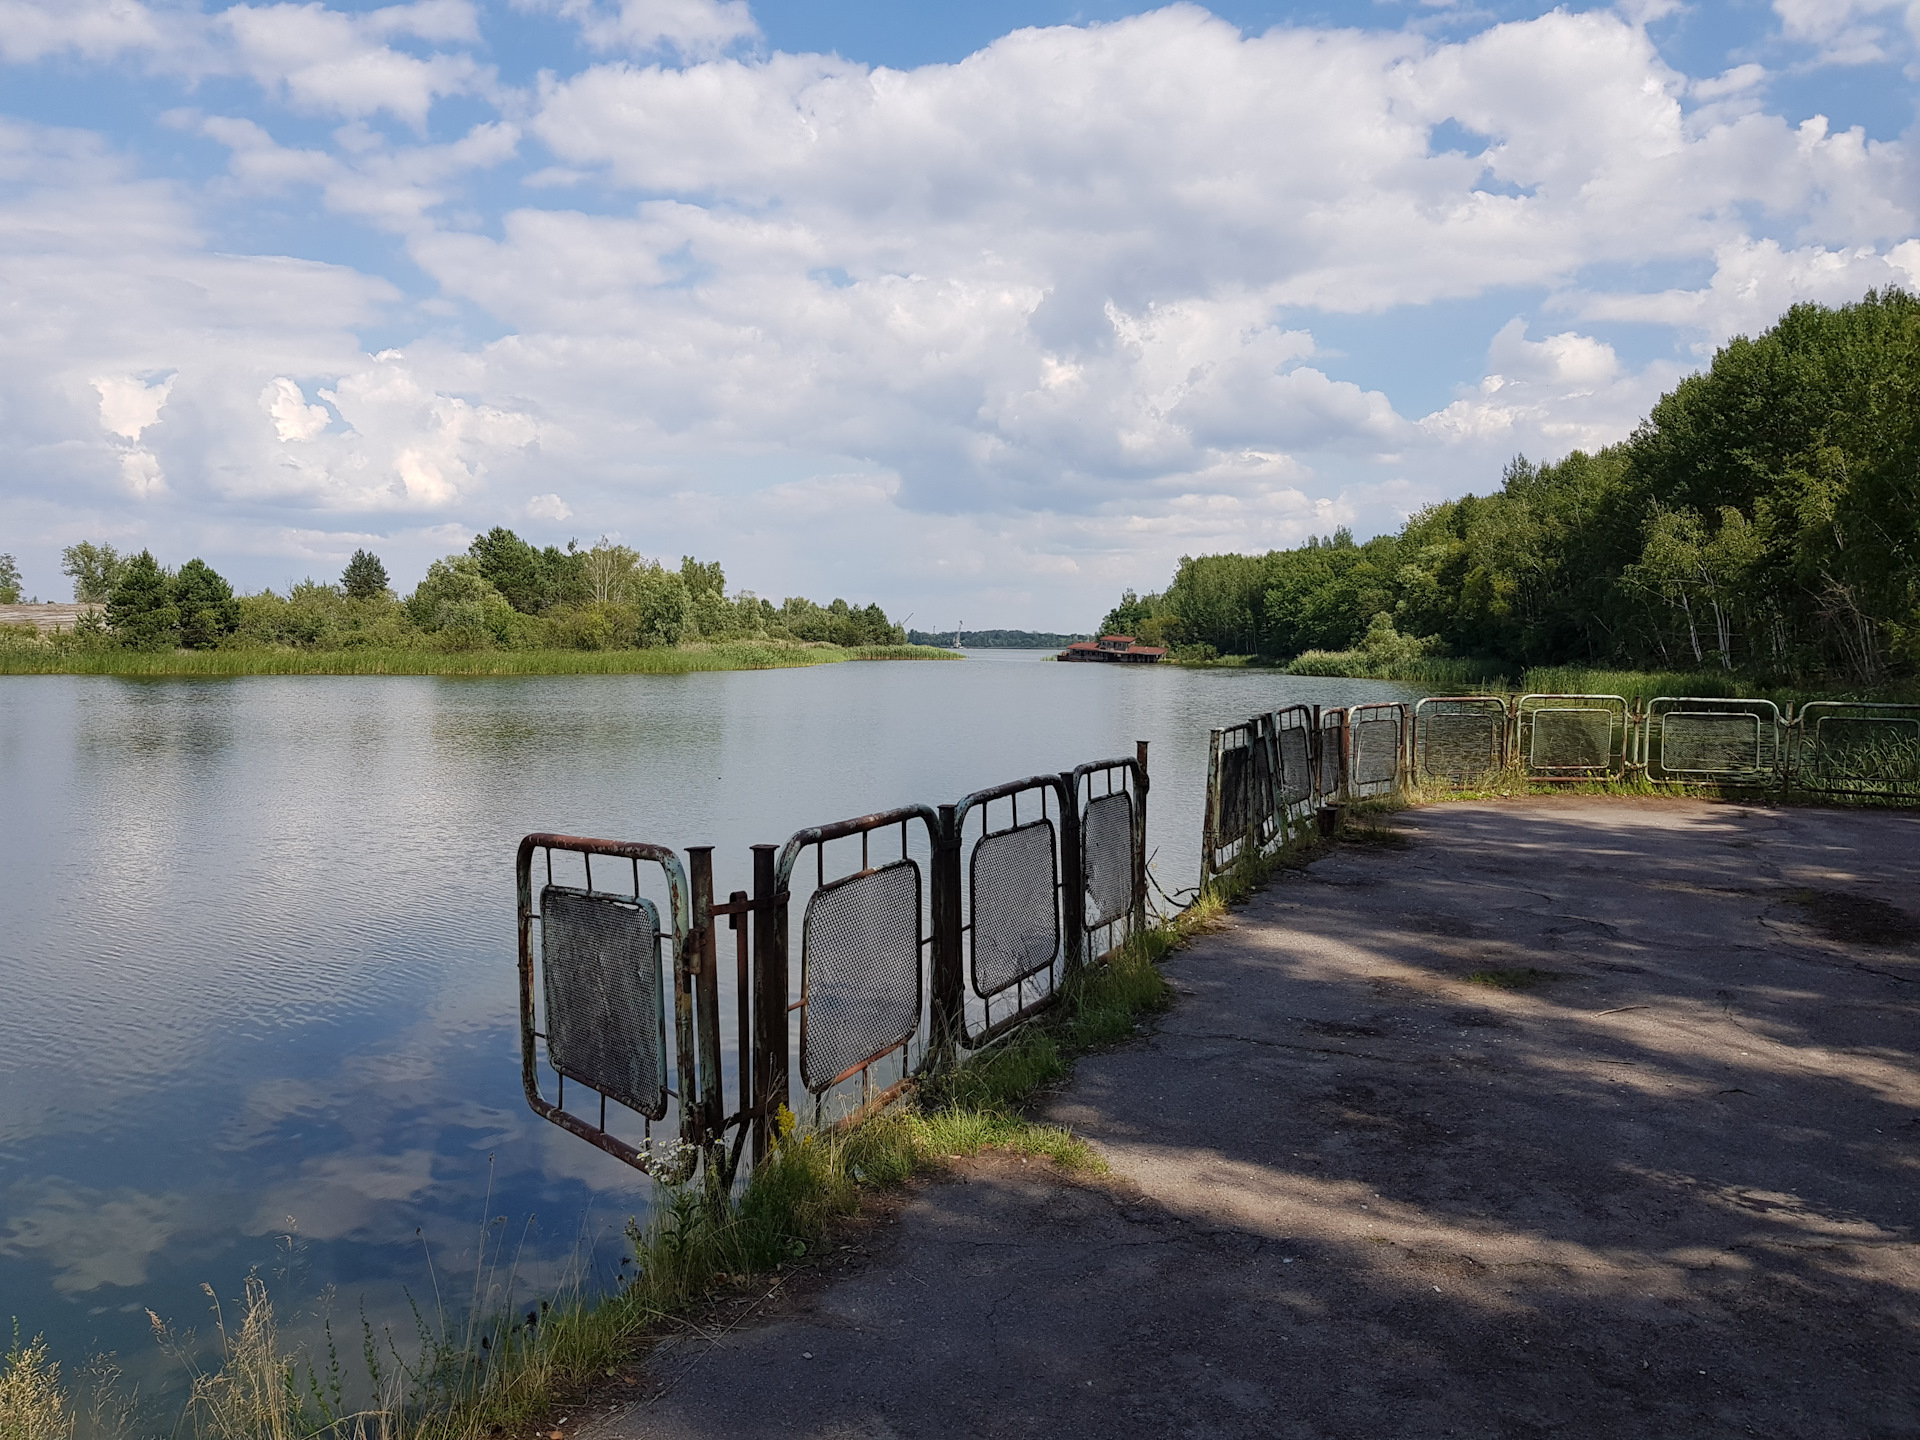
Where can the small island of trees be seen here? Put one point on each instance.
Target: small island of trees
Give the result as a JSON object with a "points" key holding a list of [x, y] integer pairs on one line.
{"points": [[503, 596]]}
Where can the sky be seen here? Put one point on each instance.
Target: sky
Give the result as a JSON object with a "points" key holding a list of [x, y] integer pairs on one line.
{"points": [[983, 312]]}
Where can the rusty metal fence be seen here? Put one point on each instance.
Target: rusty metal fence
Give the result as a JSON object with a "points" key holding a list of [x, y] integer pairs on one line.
{"points": [[928, 932], [1856, 748], [1268, 775], [1017, 910], [607, 975], [1379, 740], [1716, 742], [1459, 739], [1561, 738], [924, 932]]}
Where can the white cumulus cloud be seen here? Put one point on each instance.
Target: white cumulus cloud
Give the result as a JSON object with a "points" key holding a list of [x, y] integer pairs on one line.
{"points": [[1030, 324]]}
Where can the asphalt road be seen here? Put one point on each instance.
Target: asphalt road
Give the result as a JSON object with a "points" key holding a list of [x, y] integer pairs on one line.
{"points": [[1665, 1185]]}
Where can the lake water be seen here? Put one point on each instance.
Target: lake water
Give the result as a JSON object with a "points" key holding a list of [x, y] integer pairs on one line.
{"points": [[258, 943]]}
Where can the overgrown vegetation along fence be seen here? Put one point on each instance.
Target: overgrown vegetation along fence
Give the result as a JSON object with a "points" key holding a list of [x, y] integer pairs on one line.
{"points": [[1267, 774], [924, 934]]}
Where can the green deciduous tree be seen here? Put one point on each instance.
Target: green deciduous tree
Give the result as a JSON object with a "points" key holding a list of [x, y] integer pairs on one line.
{"points": [[461, 608], [94, 570], [609, 570], [9, 581]]}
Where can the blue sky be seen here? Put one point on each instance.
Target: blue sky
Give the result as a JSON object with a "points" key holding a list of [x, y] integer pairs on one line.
{"points": [[981, 311]]}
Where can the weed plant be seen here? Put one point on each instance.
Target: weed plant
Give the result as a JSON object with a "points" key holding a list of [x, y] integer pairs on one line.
{"points": [[34, 1402]]}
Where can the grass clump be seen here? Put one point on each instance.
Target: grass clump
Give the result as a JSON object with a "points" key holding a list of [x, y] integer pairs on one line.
{"points": [[34, 1403]]}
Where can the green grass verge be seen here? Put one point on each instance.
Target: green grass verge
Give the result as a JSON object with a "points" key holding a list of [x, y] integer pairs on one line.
{"points": [[675, 660]]}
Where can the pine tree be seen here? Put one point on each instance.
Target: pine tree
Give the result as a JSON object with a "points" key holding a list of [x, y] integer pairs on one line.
{"points": [[365, 578], [205, 604], [140, 609]]}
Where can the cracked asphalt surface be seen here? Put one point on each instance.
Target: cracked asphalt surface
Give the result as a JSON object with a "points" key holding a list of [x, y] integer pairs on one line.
{"points": [[1666, 1185]]}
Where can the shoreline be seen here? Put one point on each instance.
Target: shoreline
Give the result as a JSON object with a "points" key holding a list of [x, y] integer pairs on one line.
{"points": [[676, 660]]}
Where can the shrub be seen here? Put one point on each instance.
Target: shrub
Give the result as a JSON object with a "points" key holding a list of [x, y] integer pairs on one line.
{"points": [[458, 606]]}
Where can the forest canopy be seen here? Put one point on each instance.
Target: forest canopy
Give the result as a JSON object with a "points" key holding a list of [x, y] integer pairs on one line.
{"points": [[1764, 518]]}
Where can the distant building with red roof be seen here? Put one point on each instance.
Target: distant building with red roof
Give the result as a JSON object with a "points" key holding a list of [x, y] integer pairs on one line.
{"points": [[1114, 649]]}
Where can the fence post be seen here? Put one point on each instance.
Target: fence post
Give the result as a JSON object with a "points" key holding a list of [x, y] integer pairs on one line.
{"points": [[1073, 875], [949, 966], [686, 976], [769, 1002], [1140, 842], [1210, 816], [1313, 760], [706, 986]]}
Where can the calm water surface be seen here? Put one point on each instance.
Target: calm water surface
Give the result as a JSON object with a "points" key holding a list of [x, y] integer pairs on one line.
{"points": [[258, 943]]}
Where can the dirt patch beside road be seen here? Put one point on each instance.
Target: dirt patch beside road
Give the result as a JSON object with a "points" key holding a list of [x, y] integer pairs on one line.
{"points": [[1366, 1184]]}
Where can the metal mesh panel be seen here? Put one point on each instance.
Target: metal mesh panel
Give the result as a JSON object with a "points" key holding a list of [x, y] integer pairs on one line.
{"points": [[860, 971], [1711, 743], [1331, 739], [1870, 752], [1260, 781], [1376, 752], [1236, 793], [1296, 767], [1570, 739], [1461, 744], [606, 1008], [1106, 834], [1016, 922]]}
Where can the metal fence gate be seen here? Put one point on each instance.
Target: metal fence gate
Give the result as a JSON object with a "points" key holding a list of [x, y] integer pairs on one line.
{"points": [[1856, 748], [597, 994], [864, 942], [1696, 741], [1294, 776], [1379, 742], [1330, 757], [1018, 910], [1236, 807], [1459, 738], [1111, 796], [1572, 737]]}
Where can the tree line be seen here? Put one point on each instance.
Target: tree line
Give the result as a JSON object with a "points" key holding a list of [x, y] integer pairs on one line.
{"points": [[502, 592], [1764, 518]]}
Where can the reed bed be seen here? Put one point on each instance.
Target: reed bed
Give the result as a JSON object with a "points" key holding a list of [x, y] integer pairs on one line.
{"points": [[1433, 671]]}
